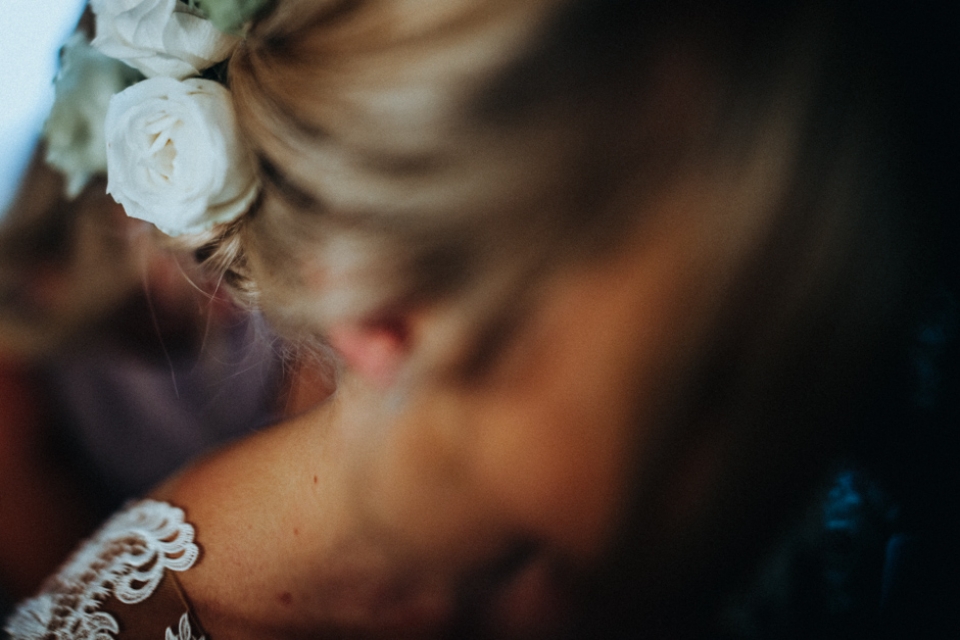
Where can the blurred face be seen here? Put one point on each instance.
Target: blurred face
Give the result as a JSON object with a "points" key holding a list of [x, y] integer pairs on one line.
{"points": [[527, 473]]}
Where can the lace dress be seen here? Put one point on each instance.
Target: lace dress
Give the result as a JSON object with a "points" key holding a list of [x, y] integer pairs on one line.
{"points": [[120, 585]]}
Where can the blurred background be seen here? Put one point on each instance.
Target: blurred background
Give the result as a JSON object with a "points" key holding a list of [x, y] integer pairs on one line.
{"points": [[119, 362], [31, 37], [28, 61]]}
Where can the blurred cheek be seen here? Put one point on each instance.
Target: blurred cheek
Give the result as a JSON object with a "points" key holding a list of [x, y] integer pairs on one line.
{"points": [[572, 410], [558, 433], [558, 475]]}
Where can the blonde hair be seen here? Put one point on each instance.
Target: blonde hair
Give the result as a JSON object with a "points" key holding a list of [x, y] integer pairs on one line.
{"points": [[355, 113], [414, 150]]}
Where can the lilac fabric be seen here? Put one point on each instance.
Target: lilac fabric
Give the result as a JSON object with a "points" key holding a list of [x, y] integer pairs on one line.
{"points": [[134, 419]]}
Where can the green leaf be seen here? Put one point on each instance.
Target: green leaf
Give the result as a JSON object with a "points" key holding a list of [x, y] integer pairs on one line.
{"points": [[230, 15]]}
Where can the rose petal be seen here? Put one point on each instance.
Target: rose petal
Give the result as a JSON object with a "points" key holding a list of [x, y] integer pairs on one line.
{"points": [[159, 37], [174, 158]]}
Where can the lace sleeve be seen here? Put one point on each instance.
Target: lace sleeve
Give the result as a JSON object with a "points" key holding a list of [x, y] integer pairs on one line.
{"points": [[120, 584]]}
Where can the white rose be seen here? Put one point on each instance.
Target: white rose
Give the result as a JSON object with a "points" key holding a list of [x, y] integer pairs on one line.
{"points": [[74, 131], [159, 37], [174, 157]]}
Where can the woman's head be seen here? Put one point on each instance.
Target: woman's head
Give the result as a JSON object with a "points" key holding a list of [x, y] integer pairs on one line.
{"points": [[415, 153], [642, 253]]}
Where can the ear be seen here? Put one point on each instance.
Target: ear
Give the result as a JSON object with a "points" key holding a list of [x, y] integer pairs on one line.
{"points": [[373, 349]]}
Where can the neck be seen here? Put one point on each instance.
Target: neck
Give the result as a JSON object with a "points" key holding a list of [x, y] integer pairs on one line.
{"points": [[287, 549]]}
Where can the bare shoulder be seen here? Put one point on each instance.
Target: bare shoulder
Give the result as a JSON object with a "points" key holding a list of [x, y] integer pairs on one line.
{"points": [[254, 506]]}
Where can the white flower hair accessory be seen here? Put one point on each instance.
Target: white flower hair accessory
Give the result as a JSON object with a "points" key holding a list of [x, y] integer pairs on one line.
{"points": [[168, 38], [170, 144], [173, 155], [74, 131]]}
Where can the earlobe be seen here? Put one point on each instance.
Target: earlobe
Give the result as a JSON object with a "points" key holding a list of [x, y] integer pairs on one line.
{"points": [[374, 350]]}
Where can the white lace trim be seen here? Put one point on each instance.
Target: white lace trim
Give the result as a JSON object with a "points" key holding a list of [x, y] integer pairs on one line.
{"points": [[185, 632], [125, 559]]}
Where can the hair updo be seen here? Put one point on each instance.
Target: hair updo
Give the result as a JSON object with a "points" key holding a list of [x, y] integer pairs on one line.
{"points": [[378, 187], [413, 151]]}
